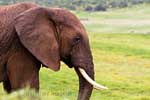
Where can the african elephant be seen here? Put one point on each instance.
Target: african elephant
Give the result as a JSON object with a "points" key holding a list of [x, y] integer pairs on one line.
{"points": [[31, 35]]}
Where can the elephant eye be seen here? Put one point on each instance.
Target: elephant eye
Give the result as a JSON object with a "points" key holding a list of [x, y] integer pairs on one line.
{"points": [[76, 40]]}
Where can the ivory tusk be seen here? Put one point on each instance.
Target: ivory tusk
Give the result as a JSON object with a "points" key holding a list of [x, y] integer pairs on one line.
{"points": [[92, 82]]}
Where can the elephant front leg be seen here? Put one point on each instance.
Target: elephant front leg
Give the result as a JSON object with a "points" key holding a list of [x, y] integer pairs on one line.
{"points": [[7, 85], [23, 70]]}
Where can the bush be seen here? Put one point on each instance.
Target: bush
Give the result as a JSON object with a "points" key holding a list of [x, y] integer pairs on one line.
{"points": [[100, 7], [119, 4], [72, 7], [147, 1], [114, 4], [134, 2], [123, 4], [88, 8]]}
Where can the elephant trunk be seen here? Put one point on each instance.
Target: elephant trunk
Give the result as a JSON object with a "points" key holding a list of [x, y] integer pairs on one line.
{"points": [[85, 88], [86, 82]]}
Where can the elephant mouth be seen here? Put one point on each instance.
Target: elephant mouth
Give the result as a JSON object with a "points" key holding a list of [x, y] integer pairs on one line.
{"points": [[91, 81]]}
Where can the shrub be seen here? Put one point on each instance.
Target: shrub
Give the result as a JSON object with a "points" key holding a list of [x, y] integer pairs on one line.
{"points": [[72, 7], [134, 2], [114, 4], [88, 8], [123, 4], [100, 7]]}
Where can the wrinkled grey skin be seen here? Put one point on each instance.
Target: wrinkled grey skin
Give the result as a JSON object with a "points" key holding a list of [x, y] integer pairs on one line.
{"points": [[31, 35]]}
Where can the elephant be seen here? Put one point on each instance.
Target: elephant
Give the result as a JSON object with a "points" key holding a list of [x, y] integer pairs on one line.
{"points": [[31, 35]]}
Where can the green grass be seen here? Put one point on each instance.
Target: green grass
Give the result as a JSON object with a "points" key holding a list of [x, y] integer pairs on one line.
{"points": [[121, 56]]}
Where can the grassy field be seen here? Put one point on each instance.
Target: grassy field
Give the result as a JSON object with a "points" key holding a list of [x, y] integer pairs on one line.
{"points": [[120, 45]]}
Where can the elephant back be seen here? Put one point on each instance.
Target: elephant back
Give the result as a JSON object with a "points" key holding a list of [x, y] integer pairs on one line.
{"points": [[7, 16]]}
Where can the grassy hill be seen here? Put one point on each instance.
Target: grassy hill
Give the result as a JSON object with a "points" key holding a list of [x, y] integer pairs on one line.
{"points": [[135, 19], [120, 42]]}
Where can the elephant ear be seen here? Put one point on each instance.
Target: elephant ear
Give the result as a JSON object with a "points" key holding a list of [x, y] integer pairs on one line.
{"points": [[37, 33]]}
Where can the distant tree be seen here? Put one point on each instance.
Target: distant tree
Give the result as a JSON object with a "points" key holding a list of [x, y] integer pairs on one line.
{"points": [[13, 1], [100, 7], [134, 2], [123, 4], [71, 7], [114, 4], [147, 1], [87, 5], [5, 2], [89, 8]]}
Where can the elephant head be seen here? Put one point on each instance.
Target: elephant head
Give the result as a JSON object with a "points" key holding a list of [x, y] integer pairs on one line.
{"points": [[54, 35]]}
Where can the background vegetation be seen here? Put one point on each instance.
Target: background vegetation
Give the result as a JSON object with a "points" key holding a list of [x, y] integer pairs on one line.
{"points": [[87, 5], [120, 40]]}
